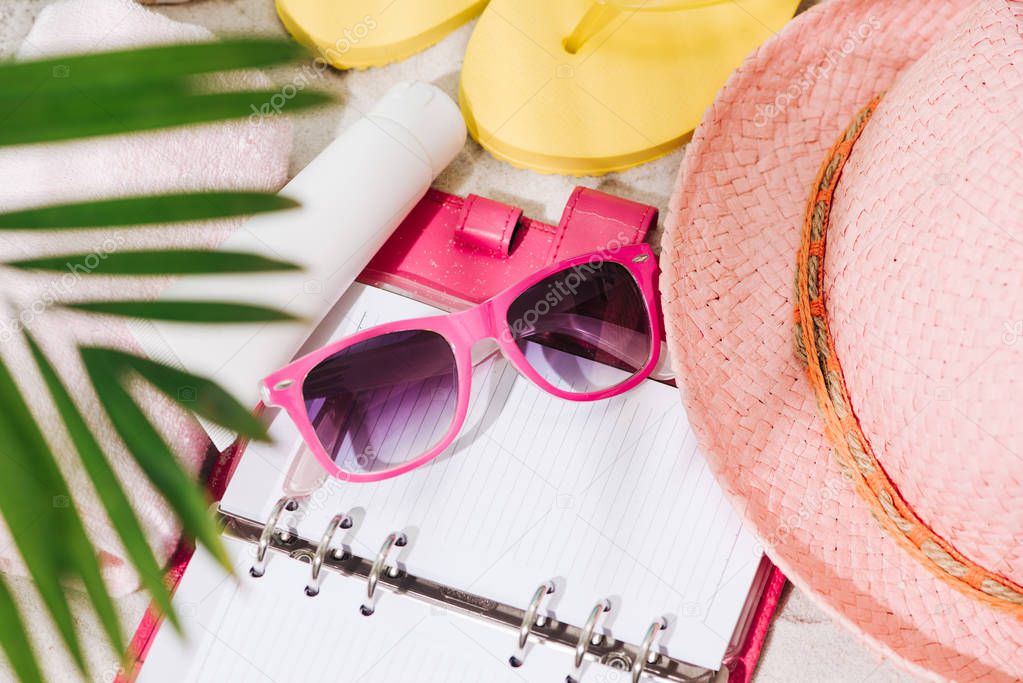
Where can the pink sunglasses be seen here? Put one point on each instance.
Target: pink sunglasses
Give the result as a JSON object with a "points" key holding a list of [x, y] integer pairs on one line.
{"points": [[391, 398]]}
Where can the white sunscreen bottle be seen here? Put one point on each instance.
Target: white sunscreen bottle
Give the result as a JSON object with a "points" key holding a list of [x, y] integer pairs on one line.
{"points": [[353, 196]]}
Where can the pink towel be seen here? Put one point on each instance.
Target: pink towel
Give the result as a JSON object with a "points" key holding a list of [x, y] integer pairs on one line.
{"points": [[239, 155]]}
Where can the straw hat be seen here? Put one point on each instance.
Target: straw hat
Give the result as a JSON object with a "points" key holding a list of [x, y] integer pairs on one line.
{"points": [[881, 460]]}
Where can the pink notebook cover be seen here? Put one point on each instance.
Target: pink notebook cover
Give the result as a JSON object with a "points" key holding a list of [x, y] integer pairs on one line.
{"points": [[452, 251]]}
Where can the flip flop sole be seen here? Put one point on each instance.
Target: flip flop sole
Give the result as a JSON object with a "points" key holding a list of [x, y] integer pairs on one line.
{"points": [[633, 92]]}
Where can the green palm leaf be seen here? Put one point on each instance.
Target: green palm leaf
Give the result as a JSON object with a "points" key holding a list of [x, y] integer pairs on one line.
{"points": [[145, 210], [36, 507], [197, 394], [184, 311], [154, 456], [14, 641], [129, 68], [156, 262], [85, 563], [66, 118], [112, 93], [108, 487]]}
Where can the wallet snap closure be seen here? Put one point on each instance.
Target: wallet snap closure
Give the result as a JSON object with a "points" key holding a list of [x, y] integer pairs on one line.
{"points": [[487, 225]]}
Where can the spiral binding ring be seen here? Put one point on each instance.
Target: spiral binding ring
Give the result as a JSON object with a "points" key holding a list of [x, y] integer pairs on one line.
{"points": [[259, 566], [392, 540], [542, 591], [614, 653], [644, 650], [585, 637], [343, 521]]}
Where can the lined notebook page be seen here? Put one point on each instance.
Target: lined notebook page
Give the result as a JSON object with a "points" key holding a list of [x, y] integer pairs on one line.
{"points": [[608, 499], [267, 630]]}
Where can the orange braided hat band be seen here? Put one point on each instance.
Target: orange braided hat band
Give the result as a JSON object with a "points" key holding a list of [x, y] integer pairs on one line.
{"points": [[815, 347]]}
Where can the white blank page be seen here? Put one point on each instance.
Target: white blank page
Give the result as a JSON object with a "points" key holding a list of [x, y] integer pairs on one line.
{"points": [[608, 499]]}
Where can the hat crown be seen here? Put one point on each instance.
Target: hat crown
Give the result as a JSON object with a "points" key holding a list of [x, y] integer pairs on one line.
{"points": [[924, 286]]}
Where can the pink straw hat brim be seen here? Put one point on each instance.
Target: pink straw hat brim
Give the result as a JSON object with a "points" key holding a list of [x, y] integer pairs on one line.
{"points": [[729, 262]]}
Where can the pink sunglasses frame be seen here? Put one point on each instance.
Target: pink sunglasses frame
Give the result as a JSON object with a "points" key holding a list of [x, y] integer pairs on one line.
{"points": [[463, 330]]}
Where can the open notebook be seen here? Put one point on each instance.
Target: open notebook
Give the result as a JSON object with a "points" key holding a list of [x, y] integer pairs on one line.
{"points": [[605, 500]]}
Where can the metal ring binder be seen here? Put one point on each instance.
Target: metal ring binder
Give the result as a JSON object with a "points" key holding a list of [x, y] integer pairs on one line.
{"points": [[343, 521], [528, 620], [641, 662], [392, 540], [585, 636], [258, 568], [608, 650]]}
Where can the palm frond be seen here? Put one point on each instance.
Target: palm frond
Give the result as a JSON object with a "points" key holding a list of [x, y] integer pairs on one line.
{"points": [[73, 117], [123, 69], [144, 210], [185, 311], [153, 455], [156, 262], [120, 92], [108, 487], [198, 394], [37, 508], [14, 640]]}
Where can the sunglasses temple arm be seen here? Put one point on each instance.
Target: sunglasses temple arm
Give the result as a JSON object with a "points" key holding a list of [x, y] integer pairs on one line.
{"points": [[662, 372], [305, 474]]}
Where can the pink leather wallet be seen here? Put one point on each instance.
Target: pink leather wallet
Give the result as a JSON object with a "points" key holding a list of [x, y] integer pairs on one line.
{"points": [[451, 251]]}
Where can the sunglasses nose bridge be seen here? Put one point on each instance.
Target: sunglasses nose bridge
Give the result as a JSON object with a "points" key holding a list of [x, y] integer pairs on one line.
{"points": [[476, 324]]}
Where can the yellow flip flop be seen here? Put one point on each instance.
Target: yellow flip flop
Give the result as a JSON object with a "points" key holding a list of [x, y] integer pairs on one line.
{"points": [[356, 34], [585, 87]]}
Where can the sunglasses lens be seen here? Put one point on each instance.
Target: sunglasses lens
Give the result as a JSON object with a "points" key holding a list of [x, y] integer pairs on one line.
{"points": [[383, 402], [584, 329]]}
